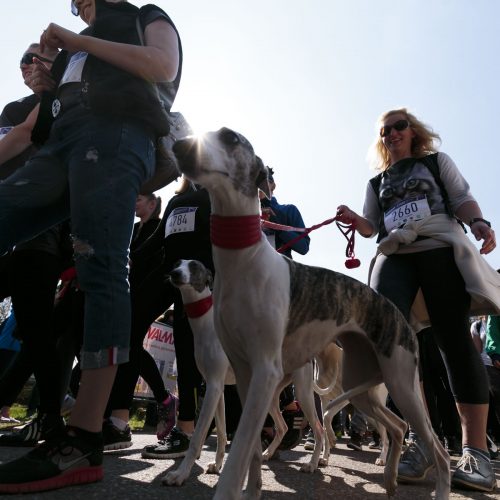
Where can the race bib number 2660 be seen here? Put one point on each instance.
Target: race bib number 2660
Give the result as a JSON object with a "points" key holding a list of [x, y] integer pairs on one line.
{"points": [[407, 210], [181, 220]]}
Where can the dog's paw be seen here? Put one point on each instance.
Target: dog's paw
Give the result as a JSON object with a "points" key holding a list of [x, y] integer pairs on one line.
{"points": [[390, 487], [212, 468], [380, 461], [173, 478], [323, 462], [308, 468]]}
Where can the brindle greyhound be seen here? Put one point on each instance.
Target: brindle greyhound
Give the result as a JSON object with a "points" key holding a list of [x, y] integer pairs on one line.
{"points": [[273, 315]]}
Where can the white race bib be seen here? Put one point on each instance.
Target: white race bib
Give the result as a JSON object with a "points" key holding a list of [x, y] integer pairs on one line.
{"points": [[406, 210], [74, 69], [181, 220]]}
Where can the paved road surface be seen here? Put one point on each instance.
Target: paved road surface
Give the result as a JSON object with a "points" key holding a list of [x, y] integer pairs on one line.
{"points": [[350, 475]]}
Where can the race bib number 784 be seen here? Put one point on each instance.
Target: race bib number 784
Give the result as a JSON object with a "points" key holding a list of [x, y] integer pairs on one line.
{"points": [[180, 220]]}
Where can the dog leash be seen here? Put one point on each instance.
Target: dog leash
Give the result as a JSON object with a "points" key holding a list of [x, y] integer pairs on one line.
{"points": [[348, 230]]}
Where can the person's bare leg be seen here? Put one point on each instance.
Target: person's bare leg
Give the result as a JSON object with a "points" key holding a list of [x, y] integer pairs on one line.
{"points": [[93, 395], [473, 418], [186, 426]]}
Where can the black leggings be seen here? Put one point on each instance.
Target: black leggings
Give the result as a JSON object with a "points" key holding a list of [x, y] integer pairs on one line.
{"points": [[34, 279], [150, 297], [399, 276]]}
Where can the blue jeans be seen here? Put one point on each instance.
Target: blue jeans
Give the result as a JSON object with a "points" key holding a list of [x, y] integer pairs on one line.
{"points": [[89, 170]]}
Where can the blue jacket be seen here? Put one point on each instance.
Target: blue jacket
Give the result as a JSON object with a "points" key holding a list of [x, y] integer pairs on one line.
{"points": [[288, 215]]}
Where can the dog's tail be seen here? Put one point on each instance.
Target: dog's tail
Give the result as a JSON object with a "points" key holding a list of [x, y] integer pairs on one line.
{"points": [[323, 391], [345, 396]]}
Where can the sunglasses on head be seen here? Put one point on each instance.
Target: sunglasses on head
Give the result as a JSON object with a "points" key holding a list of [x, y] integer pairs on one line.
{"points": [[74, 9], [28, 58], [399, 126]]}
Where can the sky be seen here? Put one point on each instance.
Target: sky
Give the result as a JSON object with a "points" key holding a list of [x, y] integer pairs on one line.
{"points": [[305, 81]]}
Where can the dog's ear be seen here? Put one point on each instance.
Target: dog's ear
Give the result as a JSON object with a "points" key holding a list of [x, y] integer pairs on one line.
{"points": [[262, 180], [210, 279]]}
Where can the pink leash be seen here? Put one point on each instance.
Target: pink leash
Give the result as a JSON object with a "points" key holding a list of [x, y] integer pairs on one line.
{"points": [[347, 230]]}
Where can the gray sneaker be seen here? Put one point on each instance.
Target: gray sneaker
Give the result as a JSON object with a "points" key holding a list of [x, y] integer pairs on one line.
{"points": [[474, 472], [414, 463]]}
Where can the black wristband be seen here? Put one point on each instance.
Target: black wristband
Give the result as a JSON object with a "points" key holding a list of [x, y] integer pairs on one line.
{"points": [[479, 219]]}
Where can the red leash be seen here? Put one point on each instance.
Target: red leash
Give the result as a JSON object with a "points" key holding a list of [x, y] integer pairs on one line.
{"points": [[347, 230]]}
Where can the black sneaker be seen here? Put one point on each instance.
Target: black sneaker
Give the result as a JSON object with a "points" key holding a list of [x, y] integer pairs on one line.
{"points": [[374, 444], [176, 445], [474, 472], [356, 442], [114, 438], [41, 427], [453, 446], [56, 463], [294, 420]]}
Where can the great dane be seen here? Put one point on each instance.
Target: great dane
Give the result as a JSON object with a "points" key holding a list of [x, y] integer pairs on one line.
{"points": [[273, 315]]}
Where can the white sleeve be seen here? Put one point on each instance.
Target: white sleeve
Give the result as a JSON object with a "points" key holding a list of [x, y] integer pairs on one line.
{"points": [[456, 186], [371, 209]]}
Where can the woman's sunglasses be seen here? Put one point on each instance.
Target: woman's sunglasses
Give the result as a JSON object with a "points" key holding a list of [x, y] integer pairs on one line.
{"points": [[74, 9], [28, 58], [400, 125]]}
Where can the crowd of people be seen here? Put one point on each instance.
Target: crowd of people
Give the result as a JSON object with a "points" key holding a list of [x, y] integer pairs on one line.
{"points": [[86, 282]]}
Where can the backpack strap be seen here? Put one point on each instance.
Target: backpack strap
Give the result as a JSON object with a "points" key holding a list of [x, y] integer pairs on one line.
{"points": [[431, 162]]}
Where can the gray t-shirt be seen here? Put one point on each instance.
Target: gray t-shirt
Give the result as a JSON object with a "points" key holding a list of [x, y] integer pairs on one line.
{"points": [[413, 180]]}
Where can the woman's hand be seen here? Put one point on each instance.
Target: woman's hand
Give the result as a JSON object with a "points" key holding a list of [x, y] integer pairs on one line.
{"points": [[348, 216], [40, 79], [482, 231], [57, 37]]}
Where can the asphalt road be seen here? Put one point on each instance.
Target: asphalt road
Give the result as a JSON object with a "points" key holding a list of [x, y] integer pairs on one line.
{"points": [[350, 475]]}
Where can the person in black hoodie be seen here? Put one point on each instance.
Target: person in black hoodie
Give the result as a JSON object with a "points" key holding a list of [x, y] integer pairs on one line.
{"points": [[98, 121]]}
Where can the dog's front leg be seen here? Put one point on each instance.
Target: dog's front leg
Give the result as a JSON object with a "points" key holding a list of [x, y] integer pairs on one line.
{"points": [[254, 486], [256, 389], [220, 424], [212, 396]]}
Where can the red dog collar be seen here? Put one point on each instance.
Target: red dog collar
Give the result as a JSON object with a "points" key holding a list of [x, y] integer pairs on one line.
{"points": [[198, 308], [235, 232]]}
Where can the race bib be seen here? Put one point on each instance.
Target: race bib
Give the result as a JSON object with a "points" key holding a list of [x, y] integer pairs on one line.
{"points": [[405, 211], [4, 131], [180, 220], [73, 71]]}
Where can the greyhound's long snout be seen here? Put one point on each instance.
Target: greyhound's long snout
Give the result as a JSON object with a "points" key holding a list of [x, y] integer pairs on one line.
{"points": [[175, 276]]}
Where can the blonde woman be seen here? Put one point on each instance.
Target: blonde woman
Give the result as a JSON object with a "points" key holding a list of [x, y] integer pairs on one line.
{"points": [[413, 205]]}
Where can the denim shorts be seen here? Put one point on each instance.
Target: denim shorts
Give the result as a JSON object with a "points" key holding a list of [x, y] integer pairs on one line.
{"points": [[90, 171]]}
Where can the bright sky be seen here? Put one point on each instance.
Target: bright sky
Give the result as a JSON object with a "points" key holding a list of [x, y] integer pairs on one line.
{"points": [[305, 80]]}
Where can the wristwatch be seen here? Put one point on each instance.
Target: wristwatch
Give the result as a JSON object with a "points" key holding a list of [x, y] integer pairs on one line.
{"points": [[479, 219]]}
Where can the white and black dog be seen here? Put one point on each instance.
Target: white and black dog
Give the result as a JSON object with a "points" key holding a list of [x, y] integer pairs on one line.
{"points": [[194, 281], [273, 315]]}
